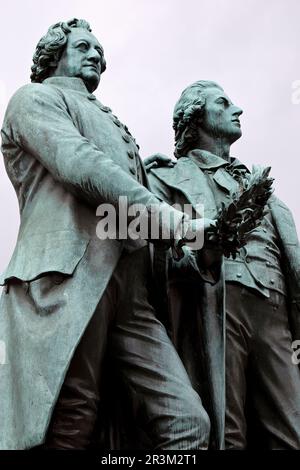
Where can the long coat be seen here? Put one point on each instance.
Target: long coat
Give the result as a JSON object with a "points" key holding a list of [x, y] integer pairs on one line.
{"points": [[64, 153], [197, 308]]}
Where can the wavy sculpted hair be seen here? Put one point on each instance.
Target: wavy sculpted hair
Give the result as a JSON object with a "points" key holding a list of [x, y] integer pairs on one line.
{"points": [[50, 47], [187, 112]]}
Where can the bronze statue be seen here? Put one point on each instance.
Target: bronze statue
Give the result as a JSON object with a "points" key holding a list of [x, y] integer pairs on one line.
{"points": [[262, 285], [72, 299]]}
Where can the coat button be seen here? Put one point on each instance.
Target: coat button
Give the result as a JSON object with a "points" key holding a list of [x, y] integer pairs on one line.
{"points": [[131, 153], [127, 130], [239, 275], [247, 259], [272, 281], [268, 264], [126, 138], [105, 109], [116, 121]]}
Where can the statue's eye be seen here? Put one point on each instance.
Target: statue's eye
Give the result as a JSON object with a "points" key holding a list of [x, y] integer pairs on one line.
{"points": [[222, 101], [82, 46]]}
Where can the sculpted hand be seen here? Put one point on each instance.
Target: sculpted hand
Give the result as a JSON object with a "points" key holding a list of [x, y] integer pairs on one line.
{"points": [[199, 227], [158, 160], [195, 239], [196, 232]]}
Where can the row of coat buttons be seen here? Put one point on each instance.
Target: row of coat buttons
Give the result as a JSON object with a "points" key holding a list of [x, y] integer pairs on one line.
{"points": [[126, 137], [116, 121], [239, 275], [106, 109], [248, 260], [132, 155]]}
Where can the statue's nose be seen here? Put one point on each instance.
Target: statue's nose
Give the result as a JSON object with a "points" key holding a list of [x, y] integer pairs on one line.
{"points": [[238, 111], [94, 56]]}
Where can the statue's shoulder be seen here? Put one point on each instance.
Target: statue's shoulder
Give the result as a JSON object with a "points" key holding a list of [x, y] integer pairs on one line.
{"points": [[32, 92], [165, 173], [162, 174], [275, 201], [162, 171]]}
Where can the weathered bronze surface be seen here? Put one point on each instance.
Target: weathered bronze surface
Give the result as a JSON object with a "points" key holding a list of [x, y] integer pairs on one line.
{"points": [[262, 286]]}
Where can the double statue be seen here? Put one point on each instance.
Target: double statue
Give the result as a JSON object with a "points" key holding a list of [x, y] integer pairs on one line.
{"points": [[179, 337]]}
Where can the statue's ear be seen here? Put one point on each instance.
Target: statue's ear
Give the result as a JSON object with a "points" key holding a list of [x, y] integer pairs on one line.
{"points": [[55, 59], [197, 121]]}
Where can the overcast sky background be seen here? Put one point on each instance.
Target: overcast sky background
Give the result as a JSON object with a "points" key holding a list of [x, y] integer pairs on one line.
{"points": [[154, 49]]}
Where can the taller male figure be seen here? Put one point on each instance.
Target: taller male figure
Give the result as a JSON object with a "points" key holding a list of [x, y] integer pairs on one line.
{"points": [[262, 283], [69, 296]]}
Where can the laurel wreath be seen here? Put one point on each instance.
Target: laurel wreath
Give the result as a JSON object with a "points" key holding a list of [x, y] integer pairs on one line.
{"points": [[237, 220]]}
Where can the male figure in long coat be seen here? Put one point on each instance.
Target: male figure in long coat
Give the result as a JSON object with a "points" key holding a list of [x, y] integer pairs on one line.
{"points": [[70, 297], [262, 283]]}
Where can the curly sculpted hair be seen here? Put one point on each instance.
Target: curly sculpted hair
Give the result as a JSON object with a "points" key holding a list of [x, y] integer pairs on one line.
{"points": [[50, 47], [188, 109]]}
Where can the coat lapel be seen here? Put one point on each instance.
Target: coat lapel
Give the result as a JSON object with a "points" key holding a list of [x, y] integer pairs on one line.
{"points": [[223, 179]]}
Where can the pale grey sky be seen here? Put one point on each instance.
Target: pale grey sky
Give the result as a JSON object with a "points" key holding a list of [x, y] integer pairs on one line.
{"points": [[154, 49]]}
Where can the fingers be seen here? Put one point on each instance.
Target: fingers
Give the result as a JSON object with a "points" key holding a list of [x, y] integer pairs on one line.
{"points": [[151, 165], [158, 160], [209, 223], [162, 158]]}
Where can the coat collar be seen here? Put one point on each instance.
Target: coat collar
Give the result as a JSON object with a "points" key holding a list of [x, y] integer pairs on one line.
{"points": [[209, 161], [69, 83], [206, 160]]}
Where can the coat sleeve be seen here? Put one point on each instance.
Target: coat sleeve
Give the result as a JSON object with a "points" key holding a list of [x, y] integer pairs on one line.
{"points": [[37, 121]]}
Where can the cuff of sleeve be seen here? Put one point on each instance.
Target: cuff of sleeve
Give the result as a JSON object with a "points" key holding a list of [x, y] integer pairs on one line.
{"points": [[167, 225]]}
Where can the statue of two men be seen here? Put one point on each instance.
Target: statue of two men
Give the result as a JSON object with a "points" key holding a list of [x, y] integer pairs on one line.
{"points": [[75, 304]]}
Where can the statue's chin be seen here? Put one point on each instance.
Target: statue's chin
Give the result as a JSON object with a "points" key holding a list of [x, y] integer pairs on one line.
{"points": [[91, 82], [235, 135]]}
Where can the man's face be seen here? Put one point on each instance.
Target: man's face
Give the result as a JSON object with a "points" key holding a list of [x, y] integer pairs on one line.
{"points": [[221, 116], [81, 58]]}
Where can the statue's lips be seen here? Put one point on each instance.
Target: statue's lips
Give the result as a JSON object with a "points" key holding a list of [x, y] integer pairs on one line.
{"points": [[94, 67], [236, 121]]}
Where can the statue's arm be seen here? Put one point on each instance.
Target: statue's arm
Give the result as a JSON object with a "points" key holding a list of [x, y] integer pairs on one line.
{"points": [[38, 121]]}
